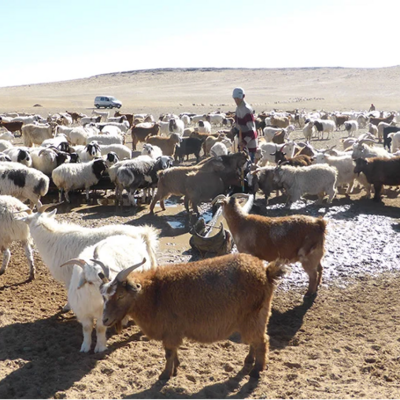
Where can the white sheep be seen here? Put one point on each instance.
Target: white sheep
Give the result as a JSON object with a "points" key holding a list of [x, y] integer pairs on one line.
{"points": [[351, 127], [176, 126], [221, 148], [14, 230], [106, 139], [186, 120], [20, 155], [122, 151], [47, 159], [22, 182], [123, 126], [324, 125], [69, 177], [151, 150], [316, 179], [5, 144], [7, 135], [395, 145], [203, 127], [93, 266]]}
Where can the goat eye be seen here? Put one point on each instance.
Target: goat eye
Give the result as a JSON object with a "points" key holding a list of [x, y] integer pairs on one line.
{"points": [[101, 275]]}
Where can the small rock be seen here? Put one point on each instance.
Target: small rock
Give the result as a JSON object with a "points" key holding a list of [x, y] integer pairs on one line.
{"points": [[228, 367], [191, 378], [60, 395]]}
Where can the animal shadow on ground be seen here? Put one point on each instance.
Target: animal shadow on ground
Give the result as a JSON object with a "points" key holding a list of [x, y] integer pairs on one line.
{"points": [[282, 327], [219, 390], [47, 354]]}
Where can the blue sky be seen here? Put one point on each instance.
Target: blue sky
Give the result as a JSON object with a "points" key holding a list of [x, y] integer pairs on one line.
{"points": [[45, 41]]}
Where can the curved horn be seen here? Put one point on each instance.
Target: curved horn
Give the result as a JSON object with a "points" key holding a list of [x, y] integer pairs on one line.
{"points": [[241, 195], [44, 207], [219, 197], [123, 275], [74, 261], [104, 267]]}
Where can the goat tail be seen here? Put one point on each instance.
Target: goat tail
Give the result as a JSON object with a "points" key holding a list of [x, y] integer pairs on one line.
{"points": [[277, 269], [150, 238]]}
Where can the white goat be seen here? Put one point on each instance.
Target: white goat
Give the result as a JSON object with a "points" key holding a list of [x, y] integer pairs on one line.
{"points": [[92, 267], [316, 179], [345, 167], [309, 130], [362, 150], [59, 242], [14, 230], [267, 149], [35, 134]]}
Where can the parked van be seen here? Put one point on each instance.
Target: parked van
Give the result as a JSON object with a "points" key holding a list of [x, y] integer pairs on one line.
{"points": [[107, 102]]}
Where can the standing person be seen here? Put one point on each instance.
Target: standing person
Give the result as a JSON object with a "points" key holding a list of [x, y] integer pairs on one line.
{"points": [[372, 108], [245, 122]]}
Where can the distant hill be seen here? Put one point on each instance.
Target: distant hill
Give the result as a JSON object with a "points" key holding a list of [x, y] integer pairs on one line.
{"points": [[189, 88]]}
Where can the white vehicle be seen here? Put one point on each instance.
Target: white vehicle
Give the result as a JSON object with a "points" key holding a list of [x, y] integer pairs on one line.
{"points": [[107, 102]]}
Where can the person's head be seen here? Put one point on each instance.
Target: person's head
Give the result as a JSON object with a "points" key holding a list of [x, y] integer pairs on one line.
{"points": [[238, 95]]}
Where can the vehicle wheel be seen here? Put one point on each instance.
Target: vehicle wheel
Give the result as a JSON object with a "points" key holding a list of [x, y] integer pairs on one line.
{"points": [[97, 106], [110, 107], [118, 107]]}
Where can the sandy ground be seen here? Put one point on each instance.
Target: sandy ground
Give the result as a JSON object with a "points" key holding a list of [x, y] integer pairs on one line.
{"points": [[343, 344]]}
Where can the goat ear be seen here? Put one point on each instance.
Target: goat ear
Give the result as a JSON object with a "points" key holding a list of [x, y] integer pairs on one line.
{"points": [[82, 281], [52, 214]]}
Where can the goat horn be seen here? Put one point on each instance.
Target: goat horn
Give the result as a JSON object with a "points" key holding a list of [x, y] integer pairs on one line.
{"points": [[123, 275], [44, 207], [74, 261], [219, 197], [27, 210], [104, 267]]}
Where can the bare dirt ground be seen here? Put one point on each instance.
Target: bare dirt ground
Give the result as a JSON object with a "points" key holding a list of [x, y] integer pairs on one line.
{"points": [[342, 344]]}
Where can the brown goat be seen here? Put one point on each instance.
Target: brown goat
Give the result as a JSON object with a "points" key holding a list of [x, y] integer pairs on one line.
{"points": [[201, 182], [129, 117], [280, 122], [75, 116], [379, 171], [295, 238], [166, 144], [141, 131], [388, 120], [205, 301], [13, 126]]}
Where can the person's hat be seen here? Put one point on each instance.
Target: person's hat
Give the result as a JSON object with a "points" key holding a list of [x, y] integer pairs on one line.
{"points": [[238, 93]]}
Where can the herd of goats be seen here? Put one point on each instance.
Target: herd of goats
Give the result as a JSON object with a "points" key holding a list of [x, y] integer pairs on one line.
{"points": [[111, 272]]}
